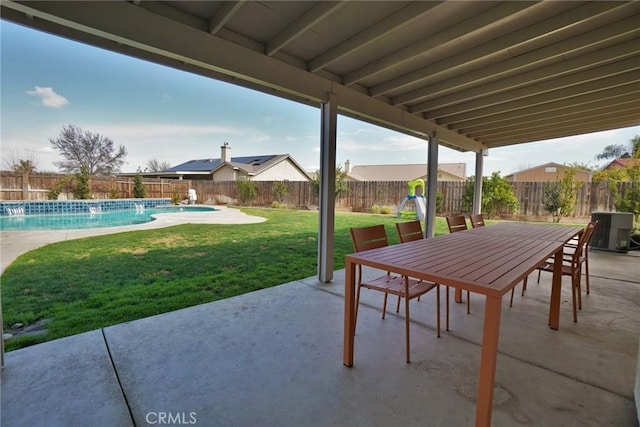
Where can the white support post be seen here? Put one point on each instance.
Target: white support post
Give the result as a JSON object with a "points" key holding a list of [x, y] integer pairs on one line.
{"points": [[327, 196], [432, 186], [477, 188]]}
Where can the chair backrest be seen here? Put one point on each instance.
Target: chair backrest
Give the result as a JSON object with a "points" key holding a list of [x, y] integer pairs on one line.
{"points": [[409, 231], [365, 238], [591, 229], [476, 220], [583, 241], [456, 223]]}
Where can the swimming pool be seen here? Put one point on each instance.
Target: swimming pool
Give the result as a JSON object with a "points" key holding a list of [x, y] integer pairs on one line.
{"points": [[95, 219]]}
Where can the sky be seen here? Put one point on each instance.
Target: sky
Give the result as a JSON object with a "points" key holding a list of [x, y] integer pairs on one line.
{"points": [[156, 112]]}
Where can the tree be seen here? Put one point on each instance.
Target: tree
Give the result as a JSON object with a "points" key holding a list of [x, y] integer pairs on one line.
{"points": [[25, 163], [139, 190], [559, 197], [629, 201], [615, 151], [83, 148], [81, 189], [155, 165], [247, 191], [342, 186], [497, 195]]}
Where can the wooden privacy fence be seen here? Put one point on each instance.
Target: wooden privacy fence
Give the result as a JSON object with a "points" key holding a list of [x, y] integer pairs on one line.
{"points": [[13, 187], [359, 196]]}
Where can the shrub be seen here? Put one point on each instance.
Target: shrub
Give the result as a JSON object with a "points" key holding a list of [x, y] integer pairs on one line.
{"points": [[439, 201], [114, 193], [53, 193], [81, 189], [139, 191], [375, 209], [497, 195], [560, 197], [275, 204], [386, 210], [175, 197], [280, 190], [247, 192]]}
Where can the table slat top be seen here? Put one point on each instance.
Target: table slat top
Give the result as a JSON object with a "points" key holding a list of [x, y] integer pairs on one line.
{"points": [[488, 260]]}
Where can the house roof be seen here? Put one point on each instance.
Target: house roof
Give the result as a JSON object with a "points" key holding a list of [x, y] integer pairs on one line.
{"points": [[623, 162], [545, 165], [478, 74], [403, 172], [251, 165]]}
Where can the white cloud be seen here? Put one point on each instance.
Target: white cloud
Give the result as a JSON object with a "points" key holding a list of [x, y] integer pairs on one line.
{"points": [[48, 97]]}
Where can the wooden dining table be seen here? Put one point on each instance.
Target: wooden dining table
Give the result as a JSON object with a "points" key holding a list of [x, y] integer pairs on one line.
{"points": [[488, 260]]}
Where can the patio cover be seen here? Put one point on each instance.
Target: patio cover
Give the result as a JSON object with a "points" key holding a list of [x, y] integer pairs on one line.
{"points": [[467, 75]]}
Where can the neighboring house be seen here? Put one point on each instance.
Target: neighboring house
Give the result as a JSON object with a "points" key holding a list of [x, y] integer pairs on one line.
{"points": [[272, 167], [549, 172], [408, 172], [622, 163]]}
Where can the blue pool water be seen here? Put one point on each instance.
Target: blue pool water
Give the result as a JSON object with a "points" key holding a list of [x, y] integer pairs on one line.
{"points": [[99, 219]]}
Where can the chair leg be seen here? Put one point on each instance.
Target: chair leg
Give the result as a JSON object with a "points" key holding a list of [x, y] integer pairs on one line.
{"points": [[398, 306], [406, 317], [586, 266], [573, 298], [438, 309], [539, 271], [511, 299], [384, 305], [579, 287]]}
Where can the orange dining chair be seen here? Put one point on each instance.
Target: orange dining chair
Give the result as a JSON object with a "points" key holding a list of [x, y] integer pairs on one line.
{"points": [[365, 238], [457, 223], [410, 231], [571, 266], [476, 220], [571, 246]]}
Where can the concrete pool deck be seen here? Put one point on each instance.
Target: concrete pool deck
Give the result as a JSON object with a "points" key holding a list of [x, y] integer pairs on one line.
{"points": [[15, 243]]}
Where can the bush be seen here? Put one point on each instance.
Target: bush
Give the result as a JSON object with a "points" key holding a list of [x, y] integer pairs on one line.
{"points": [[275, 204], [114, 193], [497, 195], [280, 190], [139, 190], [439, 201], [53, 194], [81, 189], [386, 210], [560, 197], [375, 209], [247, 192], [175, 197]]}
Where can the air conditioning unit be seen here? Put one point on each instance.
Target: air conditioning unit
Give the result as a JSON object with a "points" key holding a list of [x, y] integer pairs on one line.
{"points": [[613, 231]]}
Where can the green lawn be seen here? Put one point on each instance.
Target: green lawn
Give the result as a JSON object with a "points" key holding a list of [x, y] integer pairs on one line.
{"points": [[95, 282]]}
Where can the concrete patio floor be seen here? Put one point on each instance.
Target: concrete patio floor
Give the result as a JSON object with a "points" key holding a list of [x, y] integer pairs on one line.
{"points": [[274, 357]]}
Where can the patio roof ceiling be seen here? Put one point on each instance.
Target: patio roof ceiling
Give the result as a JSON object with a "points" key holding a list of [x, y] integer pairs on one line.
{"points": [[478, 74]]}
